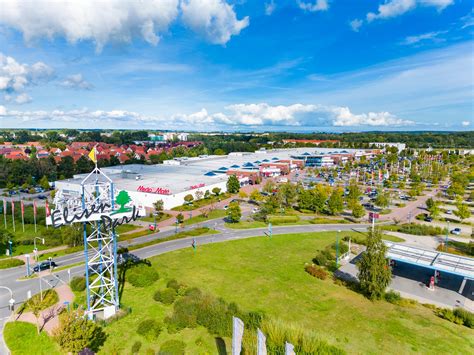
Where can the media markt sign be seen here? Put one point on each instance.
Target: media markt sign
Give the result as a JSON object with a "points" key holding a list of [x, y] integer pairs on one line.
{"points": [[111, 213]]}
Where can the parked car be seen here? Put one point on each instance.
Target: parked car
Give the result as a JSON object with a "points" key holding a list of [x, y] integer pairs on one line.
{"points": [[428, 219], [44, 265], [226, 207], [449, 212], [255, 210], [42, 197], [151, 227], [456, 231]]}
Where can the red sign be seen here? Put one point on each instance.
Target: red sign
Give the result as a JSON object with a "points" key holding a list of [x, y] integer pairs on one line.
{"points": [[154, 190], [373, 215], [192, 187]]}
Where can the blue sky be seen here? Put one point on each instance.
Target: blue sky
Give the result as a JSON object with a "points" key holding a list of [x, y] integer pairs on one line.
{"points": [[299, 65]]}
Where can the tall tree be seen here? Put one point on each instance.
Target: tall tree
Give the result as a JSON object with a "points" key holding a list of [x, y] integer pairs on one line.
{"points": [[234, 213], [374, 273], [336, 202], [233, 184]]}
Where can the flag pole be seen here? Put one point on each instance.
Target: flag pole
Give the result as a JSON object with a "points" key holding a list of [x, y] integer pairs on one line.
{"points": [[34, 213], [5, 212], [22, 215], [13, 215]]}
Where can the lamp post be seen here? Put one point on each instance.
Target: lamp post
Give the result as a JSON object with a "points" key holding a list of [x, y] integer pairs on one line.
{"points": [[35, 251], [11, 302], [10, 243], [27, 256], [446, 240], [337, 247], [176, 226]]}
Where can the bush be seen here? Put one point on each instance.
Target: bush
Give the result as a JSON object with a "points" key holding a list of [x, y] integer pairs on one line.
{"points": [[316, 271], [466, 316], [172, 347], [173, 284], [78, 284], [416, 229], [167, 296], [392, 297], [5, 264], [149, 328], [449, 315], [136, 347], [142, 275], [282, 219]]}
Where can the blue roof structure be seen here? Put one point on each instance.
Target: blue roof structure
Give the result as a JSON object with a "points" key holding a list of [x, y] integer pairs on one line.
{"points": [[235, 166], [223, 168], [210, 173]]}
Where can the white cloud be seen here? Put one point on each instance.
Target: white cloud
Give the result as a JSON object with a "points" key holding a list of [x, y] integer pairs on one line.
{"points": [[117, 20], [243, 115], [356, 24], [466, 123], [270, 7], [76, 81], [16, 77], [430, 36], [3, 110], [313, 6], [23, 99], [394, 8], [215, 19]]}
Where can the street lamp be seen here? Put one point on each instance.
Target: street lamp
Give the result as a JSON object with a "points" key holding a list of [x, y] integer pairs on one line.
{"points": [[35, 250], [27, 256], [10, 243], [11, 302]]}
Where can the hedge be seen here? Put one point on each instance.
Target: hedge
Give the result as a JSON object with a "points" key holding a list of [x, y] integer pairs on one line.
{"points": [[142, 275]]}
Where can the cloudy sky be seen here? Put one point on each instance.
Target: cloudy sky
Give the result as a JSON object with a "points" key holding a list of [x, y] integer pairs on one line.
{"points": [[301, 65]]}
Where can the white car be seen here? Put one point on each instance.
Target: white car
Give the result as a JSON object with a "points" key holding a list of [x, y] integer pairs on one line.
{"points": [[254, 210], [449, 212]]}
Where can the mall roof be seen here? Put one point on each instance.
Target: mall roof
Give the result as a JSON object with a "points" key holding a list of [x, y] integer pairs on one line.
{"points": [[431, 259]]}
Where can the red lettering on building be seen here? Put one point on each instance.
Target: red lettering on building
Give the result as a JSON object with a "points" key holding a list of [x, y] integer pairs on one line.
{"points": [[154, 190], [192, 187]]}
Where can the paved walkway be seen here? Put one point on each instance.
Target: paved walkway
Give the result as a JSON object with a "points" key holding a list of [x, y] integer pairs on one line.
{"points": [[49, 318]]}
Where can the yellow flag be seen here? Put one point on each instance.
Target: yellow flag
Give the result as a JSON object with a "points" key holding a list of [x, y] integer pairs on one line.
{"points": [[92, 155]]}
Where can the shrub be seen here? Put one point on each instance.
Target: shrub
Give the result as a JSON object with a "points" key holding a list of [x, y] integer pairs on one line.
{"points": [[142, 275], [466, 316], [167, 296], [316, 271], [392, 297], [5, 264], [449, 315], [282, 219], [173, 284], [136, 347], [149, 328], [172, 347], [76, 332], [78, 284]]}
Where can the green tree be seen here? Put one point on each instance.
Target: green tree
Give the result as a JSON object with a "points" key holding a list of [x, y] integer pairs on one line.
{"points": [[188, 199], [336, 202], [216, 191], [256, 195], [374, 273], [76, 332], [287, 194], [72, 235], [233, 184], [180, 218], [234, 213], [353, 192], [158, 206], [269, 187], [44, 183], [357, 210], [382, 200], [462, 211]]}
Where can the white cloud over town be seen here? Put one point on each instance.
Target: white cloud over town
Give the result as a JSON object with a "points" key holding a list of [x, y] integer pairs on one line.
{"points": [[119, 21], [313, 6], [243, 115]]}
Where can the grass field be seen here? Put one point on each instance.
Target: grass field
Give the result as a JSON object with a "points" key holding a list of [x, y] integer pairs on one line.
{"points": [[22, 338], [268, 275], [199, 219]]}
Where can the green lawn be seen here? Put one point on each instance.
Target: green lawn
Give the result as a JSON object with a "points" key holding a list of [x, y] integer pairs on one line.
{"points": [[268, 275], [151, 219], [212, 215], [203, 202], [22, 339]]}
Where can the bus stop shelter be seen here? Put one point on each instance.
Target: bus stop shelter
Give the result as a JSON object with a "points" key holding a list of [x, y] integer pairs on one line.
{"points": [[437, 261]]}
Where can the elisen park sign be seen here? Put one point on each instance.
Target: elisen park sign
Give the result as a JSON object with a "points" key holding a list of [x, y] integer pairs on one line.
{"points": [[98, 211]]}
